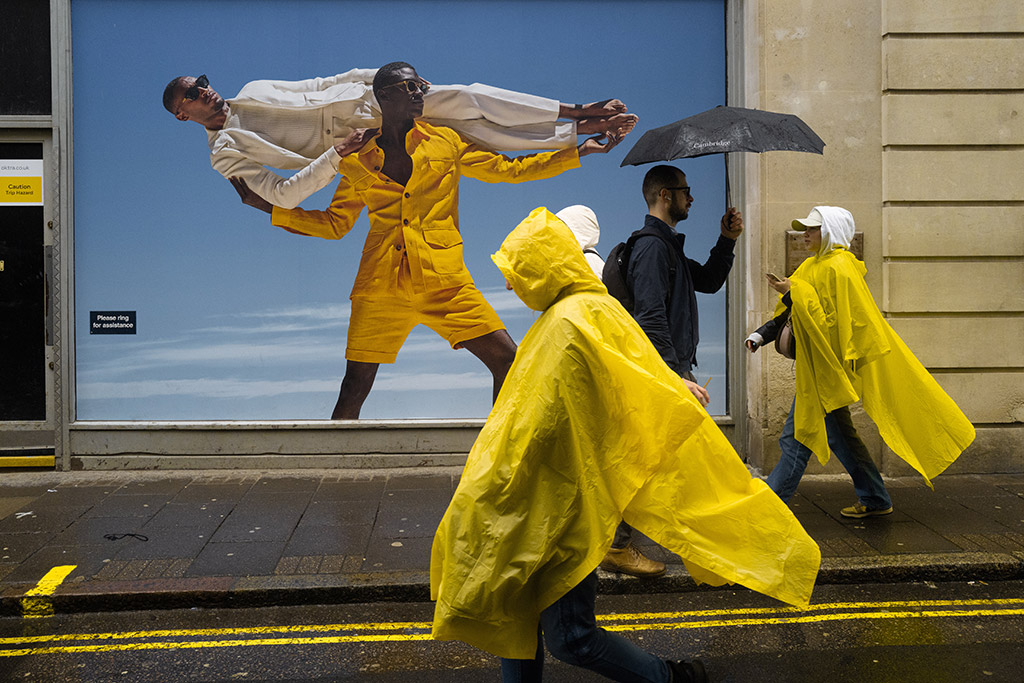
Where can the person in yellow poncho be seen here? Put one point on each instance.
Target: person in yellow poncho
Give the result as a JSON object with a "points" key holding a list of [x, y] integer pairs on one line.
{"points": [[845, 352], [590, 427]]}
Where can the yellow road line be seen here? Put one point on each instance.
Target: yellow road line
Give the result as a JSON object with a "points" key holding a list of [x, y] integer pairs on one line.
{"points": [[813, 618], [426, 625], [192, 645], [405, 637], [254, 630], [897, 604], [36, 602]]}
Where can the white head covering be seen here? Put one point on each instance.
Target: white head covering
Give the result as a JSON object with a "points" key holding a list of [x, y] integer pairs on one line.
{"points": [[836, 227], [582, 221]]}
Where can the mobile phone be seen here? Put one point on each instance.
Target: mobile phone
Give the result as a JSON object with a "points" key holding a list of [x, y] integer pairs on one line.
{"points": [[773, 277]]}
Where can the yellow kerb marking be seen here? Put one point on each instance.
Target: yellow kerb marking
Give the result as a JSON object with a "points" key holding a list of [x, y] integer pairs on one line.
{"points": [[36, 602]]}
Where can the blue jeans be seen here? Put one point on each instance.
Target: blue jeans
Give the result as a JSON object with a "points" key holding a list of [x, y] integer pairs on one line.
{"points": [[848, 447], [573, 636]]}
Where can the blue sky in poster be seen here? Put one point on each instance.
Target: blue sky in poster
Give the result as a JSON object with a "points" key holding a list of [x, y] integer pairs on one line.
{"points": [[238, 319]]}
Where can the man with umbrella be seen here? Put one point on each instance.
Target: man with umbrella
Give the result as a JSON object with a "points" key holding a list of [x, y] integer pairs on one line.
{"points": [[664, 282], [660, 276]]}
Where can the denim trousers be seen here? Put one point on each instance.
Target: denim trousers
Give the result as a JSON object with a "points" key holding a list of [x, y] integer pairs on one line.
{"points": [[844, 441], [573, 636]]}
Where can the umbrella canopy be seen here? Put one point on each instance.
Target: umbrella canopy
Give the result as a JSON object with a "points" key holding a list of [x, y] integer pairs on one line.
{"points": [[724, 129]]}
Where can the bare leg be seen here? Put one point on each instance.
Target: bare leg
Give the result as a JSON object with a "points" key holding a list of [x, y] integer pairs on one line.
{"points": [[355, 387], [497, 351], [600, 109]]}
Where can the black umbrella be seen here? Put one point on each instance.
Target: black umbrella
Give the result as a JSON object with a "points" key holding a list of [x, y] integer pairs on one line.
{"points": [[721, 130]]}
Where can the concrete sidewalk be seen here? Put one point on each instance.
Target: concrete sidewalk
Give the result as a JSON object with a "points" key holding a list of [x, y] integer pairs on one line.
{"points": [[218, 538]]}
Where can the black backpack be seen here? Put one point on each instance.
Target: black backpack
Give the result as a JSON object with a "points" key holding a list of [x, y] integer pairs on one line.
{"points": [[617, 265]]}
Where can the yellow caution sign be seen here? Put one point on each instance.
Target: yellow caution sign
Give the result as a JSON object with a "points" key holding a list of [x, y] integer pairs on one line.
{"points": [[21, 190]]}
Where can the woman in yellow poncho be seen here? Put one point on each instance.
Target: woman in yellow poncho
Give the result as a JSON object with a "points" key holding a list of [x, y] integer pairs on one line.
{"points": [[592, 427], [845, 352]]}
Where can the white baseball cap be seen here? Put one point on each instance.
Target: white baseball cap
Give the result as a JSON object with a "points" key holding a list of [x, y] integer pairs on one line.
{"points": [[813, 220]]}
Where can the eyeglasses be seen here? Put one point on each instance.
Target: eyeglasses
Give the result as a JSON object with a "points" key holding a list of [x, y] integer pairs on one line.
{"points": [[684, 188], [411, 86], [192, 92]]}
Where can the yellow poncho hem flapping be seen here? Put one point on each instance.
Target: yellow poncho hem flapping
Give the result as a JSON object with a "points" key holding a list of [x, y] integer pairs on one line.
{"points": [[846, 351]]}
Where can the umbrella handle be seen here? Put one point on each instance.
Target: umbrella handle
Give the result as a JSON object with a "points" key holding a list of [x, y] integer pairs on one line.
{"points": [[728, 190]]}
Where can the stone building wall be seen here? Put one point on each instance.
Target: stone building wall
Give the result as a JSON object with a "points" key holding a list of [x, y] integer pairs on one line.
{"points": [[921, 104]]}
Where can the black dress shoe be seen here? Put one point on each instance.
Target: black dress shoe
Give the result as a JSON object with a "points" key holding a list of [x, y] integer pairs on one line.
{"points": [[687, 672]]}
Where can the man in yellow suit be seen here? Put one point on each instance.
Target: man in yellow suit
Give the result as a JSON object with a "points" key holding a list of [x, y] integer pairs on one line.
{"points": [[592, 427], [846, 352], [411, 271]]}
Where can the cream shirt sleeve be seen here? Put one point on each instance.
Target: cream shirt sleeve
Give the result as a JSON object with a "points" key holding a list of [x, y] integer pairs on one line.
{"points": [[288, 193]]}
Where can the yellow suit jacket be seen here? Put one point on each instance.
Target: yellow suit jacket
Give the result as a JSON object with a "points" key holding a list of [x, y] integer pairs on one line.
{"points": [[420, 219]]}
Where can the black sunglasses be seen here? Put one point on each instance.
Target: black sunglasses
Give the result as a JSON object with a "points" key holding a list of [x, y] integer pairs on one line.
{"points": [[192, 92], [411, 86]]}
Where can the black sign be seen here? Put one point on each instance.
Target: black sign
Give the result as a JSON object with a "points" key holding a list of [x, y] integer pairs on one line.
{"points": [[111, 322]]}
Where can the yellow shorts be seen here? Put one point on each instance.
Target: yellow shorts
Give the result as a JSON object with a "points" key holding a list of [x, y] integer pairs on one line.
{"points": [[379, 325]]}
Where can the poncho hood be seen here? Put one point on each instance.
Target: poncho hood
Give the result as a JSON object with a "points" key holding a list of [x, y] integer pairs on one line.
{"points": [[543, 262], [836, 228]]}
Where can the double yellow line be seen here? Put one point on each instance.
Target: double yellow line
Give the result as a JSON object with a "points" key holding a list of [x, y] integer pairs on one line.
{"points": [[835, 611], [328, 634]]}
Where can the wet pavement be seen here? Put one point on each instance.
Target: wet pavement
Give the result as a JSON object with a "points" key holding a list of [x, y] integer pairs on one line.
{"points": [[230, 538]]}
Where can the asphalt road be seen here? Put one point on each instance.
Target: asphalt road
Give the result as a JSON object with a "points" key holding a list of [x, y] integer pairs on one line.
{"points": [[879, 633]]}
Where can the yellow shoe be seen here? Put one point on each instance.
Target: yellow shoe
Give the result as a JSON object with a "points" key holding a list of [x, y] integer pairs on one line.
{"points": [[858, 511], [630, 560]]}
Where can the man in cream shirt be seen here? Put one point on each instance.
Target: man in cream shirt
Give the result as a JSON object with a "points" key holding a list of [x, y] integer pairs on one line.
{"points": [[308, 125]]}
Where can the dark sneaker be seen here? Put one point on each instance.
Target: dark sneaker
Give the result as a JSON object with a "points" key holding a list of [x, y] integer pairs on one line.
{"points": [[687, 672], [630, 560], [858, 511]]}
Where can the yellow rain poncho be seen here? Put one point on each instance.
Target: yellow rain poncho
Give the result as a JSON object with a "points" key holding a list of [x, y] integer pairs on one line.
{"points": [[592, 427], [846, 352]]}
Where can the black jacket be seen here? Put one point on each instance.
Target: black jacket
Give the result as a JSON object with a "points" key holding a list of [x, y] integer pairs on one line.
{"points": [[770, 330], [666, 307]]}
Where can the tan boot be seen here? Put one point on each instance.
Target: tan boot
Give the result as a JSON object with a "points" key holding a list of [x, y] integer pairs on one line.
{"points": [[630, 560]]}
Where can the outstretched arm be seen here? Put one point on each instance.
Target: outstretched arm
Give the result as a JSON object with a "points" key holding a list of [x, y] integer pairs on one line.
{"points": [[289, 192], [770, 330], [331, 224], [599, 144], [279, 190]]}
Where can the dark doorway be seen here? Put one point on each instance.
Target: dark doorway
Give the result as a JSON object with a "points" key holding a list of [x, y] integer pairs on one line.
{"points": [[22, 303]]}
